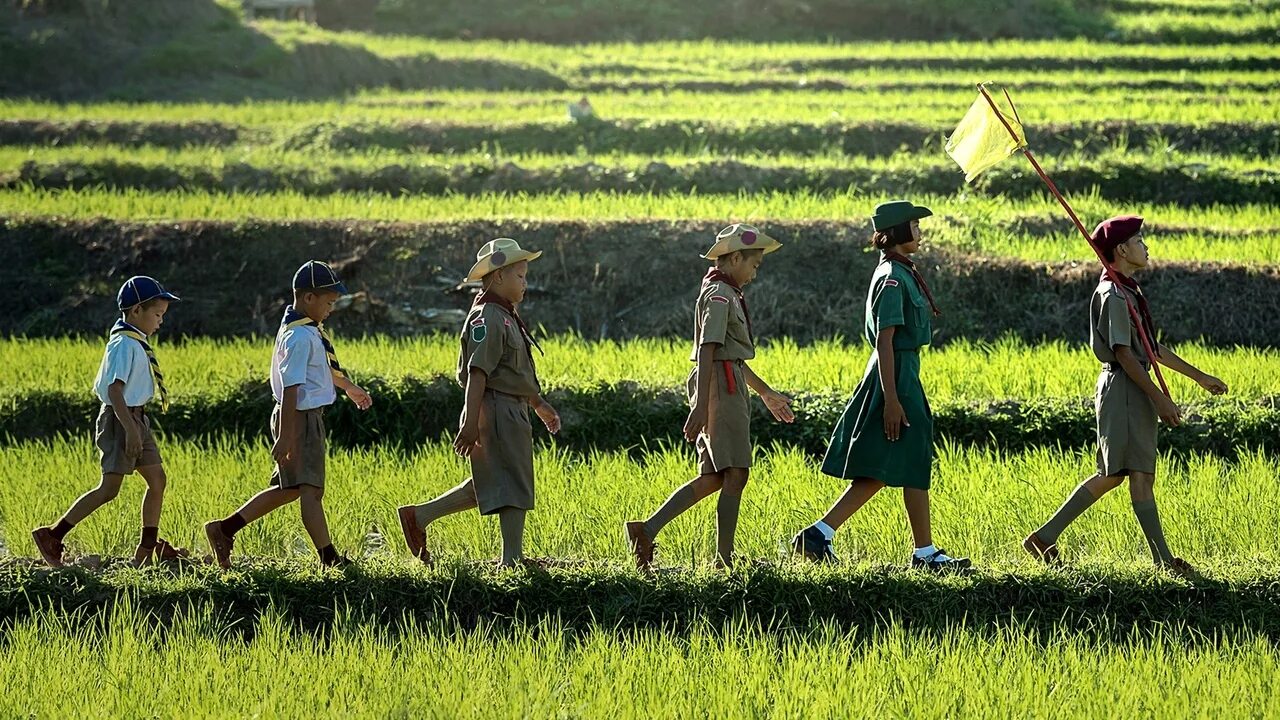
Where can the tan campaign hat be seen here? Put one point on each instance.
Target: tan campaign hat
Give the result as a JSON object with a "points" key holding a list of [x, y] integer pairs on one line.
{"points": [[497, 254], [741, 236]]}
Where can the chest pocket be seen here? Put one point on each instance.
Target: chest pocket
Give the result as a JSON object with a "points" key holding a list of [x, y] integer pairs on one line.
{"points": [[737, 326], [918, 314]]}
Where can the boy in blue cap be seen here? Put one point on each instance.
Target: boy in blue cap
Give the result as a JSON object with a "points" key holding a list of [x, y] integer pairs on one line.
{"points": [[128, 378], [304, 375]]}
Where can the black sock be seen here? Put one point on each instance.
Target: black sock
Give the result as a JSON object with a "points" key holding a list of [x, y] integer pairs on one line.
{"points": [[61, 529], [233, 524], [149, 537], [328, 555]]}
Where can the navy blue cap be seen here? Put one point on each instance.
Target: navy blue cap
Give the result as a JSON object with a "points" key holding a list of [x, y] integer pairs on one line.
{"points": [[315, 275], [139, 289]]}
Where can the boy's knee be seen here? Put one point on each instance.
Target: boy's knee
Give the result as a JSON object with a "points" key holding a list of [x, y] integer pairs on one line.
{"points": [[109, 488], [311, 492], [735, 481]]}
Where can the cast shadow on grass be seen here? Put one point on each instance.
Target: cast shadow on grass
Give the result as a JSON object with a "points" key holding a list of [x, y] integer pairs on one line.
{"points": [[1100, 604]]}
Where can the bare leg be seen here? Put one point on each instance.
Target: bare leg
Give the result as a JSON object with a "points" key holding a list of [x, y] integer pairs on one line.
{"points": [[685, 497], [311, 499], [266, 501], [917, 504], [153, 499], [84, 505], [860, 490]]}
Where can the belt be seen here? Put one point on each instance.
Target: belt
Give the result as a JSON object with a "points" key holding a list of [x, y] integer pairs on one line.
{"points": [[508, 396], [731, 383], [1115, 367]]}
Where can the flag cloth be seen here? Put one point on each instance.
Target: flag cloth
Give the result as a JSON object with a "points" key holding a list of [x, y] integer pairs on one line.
{"points": [[981, 140]]}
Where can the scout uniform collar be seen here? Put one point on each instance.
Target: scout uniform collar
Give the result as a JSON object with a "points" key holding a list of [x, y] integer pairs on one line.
{"points": [[488, 296], [123, 328], [1144, 308], [718, 275], [905, 261], [294, 318]]}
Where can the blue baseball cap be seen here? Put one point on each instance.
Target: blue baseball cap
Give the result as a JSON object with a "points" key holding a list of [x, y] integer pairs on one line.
{"points": [[139, 289], [315, 275]]}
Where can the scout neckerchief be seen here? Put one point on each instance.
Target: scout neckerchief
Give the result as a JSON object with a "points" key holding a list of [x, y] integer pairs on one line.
{"points": [[911, 268], [717, 275], [488, 296], [1144, 309], [123, 328], [292, 318]]}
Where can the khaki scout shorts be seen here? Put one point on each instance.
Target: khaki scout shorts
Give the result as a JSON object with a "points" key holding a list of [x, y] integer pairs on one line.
{"points": [[307, 465], [726, 443], [109, 436], [1127, 426], [502, 466]]}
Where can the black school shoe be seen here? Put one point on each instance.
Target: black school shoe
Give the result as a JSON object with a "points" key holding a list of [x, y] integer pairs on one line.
{"points": [[934, 564], [813, 545]]}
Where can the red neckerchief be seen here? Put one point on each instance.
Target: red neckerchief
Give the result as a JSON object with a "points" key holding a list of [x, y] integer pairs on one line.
{"points": [[492, 297], [911, 267], [715, 275], [1144, 310]]}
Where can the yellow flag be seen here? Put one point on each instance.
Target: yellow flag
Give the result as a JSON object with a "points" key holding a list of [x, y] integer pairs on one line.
{"points": [[981, 140]]}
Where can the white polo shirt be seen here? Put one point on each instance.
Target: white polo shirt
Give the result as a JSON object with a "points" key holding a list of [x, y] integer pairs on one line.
{"points": [[124, 359], [299, 359]]}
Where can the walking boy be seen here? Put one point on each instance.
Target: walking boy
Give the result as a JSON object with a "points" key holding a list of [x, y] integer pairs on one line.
{"points": [[496, 370], [1126, 400], [720, 413], [304, 374], [128, 378]]}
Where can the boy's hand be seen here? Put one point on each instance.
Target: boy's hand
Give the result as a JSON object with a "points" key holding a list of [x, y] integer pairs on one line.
{"points": [[779, 405], [359, 397], [1168, 411], [895, 418], [467, 439], [282, 450], [549, 417], [1212, 384], [695, 424], [132, 440]]}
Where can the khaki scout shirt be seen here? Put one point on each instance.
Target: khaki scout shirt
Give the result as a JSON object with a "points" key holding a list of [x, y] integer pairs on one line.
{"points": [[719, 318], [491, 341], [1111, 325]]}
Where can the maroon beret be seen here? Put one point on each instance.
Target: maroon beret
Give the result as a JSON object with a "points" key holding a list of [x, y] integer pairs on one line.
{"points": [[1115, 232]]}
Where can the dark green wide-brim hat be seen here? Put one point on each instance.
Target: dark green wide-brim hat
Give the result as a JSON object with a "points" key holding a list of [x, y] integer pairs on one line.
{"points": [[897, 212]]}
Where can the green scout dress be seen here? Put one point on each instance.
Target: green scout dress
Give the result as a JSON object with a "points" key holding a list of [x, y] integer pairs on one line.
{"points": [[720, 318], [502, 465], [858, 446], [1127, 420]]}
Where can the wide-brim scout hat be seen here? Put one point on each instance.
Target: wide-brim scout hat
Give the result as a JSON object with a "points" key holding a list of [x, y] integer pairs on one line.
{"points": [[741, 236], [139, 289], [316, 275], [1114, 232], [497, 254], [896, 212]]}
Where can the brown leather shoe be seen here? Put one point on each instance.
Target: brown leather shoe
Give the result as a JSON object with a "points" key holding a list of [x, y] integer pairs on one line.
{"points": [[49, 546], [414, 536], [642, 546], [219, 543], [142, 556], [1041, 550], [1181, 568]]}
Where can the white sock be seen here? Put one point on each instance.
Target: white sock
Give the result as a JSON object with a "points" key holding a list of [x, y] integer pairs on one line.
{"points": [[827, 531], [925, 552]]}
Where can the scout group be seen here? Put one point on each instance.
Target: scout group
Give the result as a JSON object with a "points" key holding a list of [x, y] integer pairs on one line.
{"points": [[883, 439]]}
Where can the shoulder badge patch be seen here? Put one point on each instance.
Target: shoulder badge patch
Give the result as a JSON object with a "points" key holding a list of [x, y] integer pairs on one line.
{"points": [[479, 332], [720, 299], [890, 282]]}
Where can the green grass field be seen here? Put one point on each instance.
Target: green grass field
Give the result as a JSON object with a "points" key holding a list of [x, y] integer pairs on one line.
{"points": [[1008, 369], [1166, 108], [362, 671]]}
